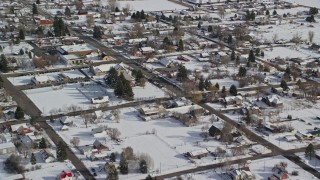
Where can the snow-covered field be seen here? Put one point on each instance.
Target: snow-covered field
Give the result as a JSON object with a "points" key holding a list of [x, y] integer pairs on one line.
{"points": [[166, 145], [149, 5], [62, 97], [311, 3], [289, 52]]}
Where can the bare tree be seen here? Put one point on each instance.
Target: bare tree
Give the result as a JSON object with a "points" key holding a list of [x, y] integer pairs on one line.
{"points": [[148, 159], [221, 12], [275, 38], [75, 141], [112, 5], [87, 118], [311, 36], [116, 115], [114, 133], [90, 21]]}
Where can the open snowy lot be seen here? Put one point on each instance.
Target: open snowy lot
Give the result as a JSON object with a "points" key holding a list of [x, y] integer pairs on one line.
{"points": [[60, 98], [149, 5], [311, 3], [289, 52]]}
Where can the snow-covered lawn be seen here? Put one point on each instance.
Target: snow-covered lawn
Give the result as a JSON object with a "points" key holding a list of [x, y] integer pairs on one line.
{"points": [[287, 52], [61, 98], [148, 92], [149, 5], [227, 82]]}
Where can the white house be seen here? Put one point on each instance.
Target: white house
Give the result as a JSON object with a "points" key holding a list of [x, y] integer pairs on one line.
{"points": [[99, 100], [7, 148]]}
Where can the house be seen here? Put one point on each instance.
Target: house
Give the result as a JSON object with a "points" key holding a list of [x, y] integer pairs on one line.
{"points": [[147, 50], [64, 128], [7, 148], [198, 154], [100, 144], [242, 173], [101, 69], [279, 175], [100, 100], [86, 150], [79, 49], [97, 130], [166, 62], [273, 100], [290, 138], [65, 120], [303, 136], [215, 132], [47, 23], [98, 114], [65, 176], [72, 59], [16, 127], [41, 79], [230, 100], [152, 110], [46, 156]]}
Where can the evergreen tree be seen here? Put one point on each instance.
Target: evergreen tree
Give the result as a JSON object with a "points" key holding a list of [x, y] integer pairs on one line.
{"points": [[210, 29], [112, 173], [233, 90], [117, 9], [139, 75], [19, 114], [42, 144], [242, 71], [142, 15], [21, 52], [97, 32], [112, 77], [252, 58], [33, 159], [223, 90], [274, 12], [113, 157], [182, 73], [229, 39], [61, 152], [284, 85], [34, 9], [313, 11], [267, 12], [233, 56], [310, 152], [217, 86], [310, 19], [37, 1], [123, 164], [143, 166], [21, 34], [67, 12], [238, 60], [149, 177], [134, 16], [4, 64], [119, 89], [207, 84], [30, 55], [201, 84], [180, 45], [252, 15], [199, 25], [58, 27], [262, 53]]}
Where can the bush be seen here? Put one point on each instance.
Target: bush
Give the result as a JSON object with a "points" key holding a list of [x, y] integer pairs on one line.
{"points": [[295, 173]]}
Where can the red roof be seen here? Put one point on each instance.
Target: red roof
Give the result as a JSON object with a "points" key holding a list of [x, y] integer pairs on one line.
{"points": [[45, 22], [65, 174]]}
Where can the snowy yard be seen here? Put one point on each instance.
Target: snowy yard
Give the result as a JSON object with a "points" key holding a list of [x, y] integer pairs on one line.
{"points": [[150, 5]]}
